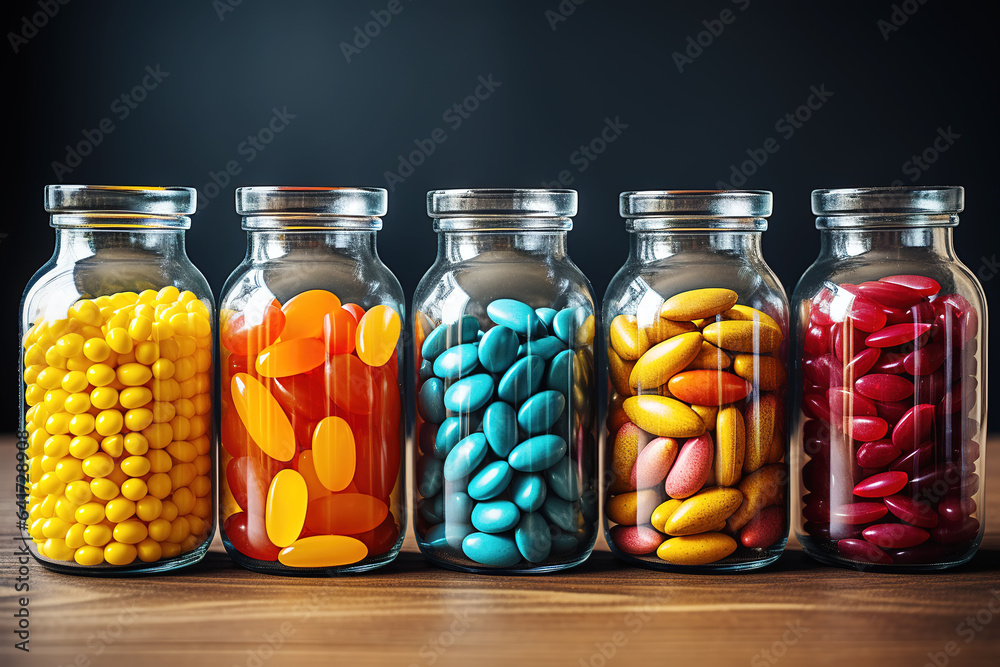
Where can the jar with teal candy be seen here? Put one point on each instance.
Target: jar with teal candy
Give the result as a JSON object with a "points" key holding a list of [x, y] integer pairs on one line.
{"points": [[506, 410]]}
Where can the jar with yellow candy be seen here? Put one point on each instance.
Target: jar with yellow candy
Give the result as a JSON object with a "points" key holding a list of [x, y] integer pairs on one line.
{"points": [[312, 397], [116, 454], [696, 330]]}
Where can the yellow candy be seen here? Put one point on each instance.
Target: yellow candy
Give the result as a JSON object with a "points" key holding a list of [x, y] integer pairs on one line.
{"points": [[696, 549], [89, 556], [703, 511], [130, 532], [743, 336], [77, 403], [119, 554], [82, 446], [100, 375], [730, 446], [135, 397], [134, 489], [760, 489], [138, 419], [627, 339], [710, 358], [104, 489], [97, 535], [662, 361], [285, 514], [56, 549], [50, 377], [136, 444], [90, 513], [119, 509], [70, 345], [147, 352], [766, 372], [148, 508], [98, 465], [81, 424], [57, 445], [133, 374], [663, 512], [118, 339], [103, 398], [149, 551], [698, 303], [69, 469], [632, 508], [761, 420], [78, 492], [74, 537], [96, 349], [323, 551], [159, 529], [663, 416]]}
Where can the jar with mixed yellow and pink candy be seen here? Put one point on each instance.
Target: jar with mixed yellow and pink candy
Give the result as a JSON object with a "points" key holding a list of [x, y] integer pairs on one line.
{"points": [[116, 454], [889, 411], [312, 411], [696, 337]]}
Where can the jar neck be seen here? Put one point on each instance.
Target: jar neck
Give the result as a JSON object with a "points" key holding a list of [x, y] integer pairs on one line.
{"points": [[308, 245], [932, 241], [652, 246], [73, 243], [460, 246]]}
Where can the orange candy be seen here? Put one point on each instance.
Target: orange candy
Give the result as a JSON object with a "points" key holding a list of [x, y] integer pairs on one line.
{"points": [[291, 357], [378, 333], [333, 453], [354, 309], [323, 551], [304, 313], [265, 421], [304, 464], [349, 383], [339, 329], [345, 514]]}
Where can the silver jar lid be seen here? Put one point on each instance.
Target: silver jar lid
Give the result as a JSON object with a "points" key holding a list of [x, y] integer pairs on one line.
{"points": [[695, 203], [502, 208], [79, 205], [281, 207], [906, 200]]}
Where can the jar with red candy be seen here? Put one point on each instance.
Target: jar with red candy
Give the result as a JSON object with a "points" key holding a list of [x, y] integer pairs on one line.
{"points": [[311, 395], [889, 412]]}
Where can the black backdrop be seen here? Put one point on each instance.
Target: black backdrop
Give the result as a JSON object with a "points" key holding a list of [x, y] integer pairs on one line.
{"points": [[690, 93]]}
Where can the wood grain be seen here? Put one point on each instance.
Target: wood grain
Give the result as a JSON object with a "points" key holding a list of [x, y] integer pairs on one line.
{"points": [[601, 613]]}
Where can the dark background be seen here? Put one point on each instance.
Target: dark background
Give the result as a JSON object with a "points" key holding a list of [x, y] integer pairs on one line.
{"points": [[227, 70]]}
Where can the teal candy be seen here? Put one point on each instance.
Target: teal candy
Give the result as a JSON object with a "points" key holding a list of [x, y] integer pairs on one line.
{"points": [[498, 349], [448, 435], [458, 507], [430, 476], [426, 370], [500, 428], [431, 509], [456, 362], [546, 347], [541, 411], [527, 491], [456, 532], [491, 550], [564, 542], [535, 454], [516, 315], [563, 479], [437, 340], [546, 315], [495, 516], [559, 376], [533, 538], [565, 323], [435, 343], [430, 402], [465, 456], [491, 481], [468, 394], [522, 379], [435, 537], [468, 329], [562, 513]]}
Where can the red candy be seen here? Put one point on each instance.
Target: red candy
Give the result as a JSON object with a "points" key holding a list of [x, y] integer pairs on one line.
{"points": [[881, 485], [884, 387], [868, 428], [895, 535], [877, 454], [897, 334], [911, 510], [854, 549], [913, 427], [922, 284], [857, 513]]}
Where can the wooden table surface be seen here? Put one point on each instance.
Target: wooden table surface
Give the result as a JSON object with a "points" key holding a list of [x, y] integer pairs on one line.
{"points": [[600, 613]]}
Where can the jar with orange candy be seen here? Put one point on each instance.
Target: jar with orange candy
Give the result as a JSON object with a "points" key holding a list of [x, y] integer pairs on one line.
{"points": [[311, 395]]}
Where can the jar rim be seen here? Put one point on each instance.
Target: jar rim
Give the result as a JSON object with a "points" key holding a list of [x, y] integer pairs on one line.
{"points": [[83, 200], [687, 204], [502, 203], [262, 201], [889, 200]]}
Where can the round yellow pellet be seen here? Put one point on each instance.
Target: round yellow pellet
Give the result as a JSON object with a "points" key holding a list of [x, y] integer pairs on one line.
{"points": [[33, 395], [147, 352], [81, 424], [170, 350], [135, 466], [201, 486], [134, 489], [100, 375], [158, 435], [184, 499], [113, 445], [148, 508], [70, 345], [55, 527], [50, 377], [89, 556], [202, 464], [202, 445], [169, 511], [69, 469], [161, 331], [104, 489], [170, 549], [119, 509], [163, 411], [66, 509], [179, 529], [119, 340], [135, 397], [184, 369], [147, 296], [34, 355], [130, 532], [96, 349], [78, 492], [57, 445], [83, 446], [159, 461], [78, 363], [167, 294], [58, 423], [50, 484], [54, 359], [182, 451], [119, 554], [159, 529], [202, 508], [90, 513], [138, 419], [98, 465], [74, 382], [56, 549], [77, 403], [163, 369], [159, 485], [97, 535], [140, 328], [133, 374], [136, 444], [74, 536], [149, 551], [103, 398]]}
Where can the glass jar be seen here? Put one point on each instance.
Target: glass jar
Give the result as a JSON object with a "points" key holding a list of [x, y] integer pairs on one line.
{"points": [[695, 443], [890, 384], [312, 429], [506, 408], [116, 455]]}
